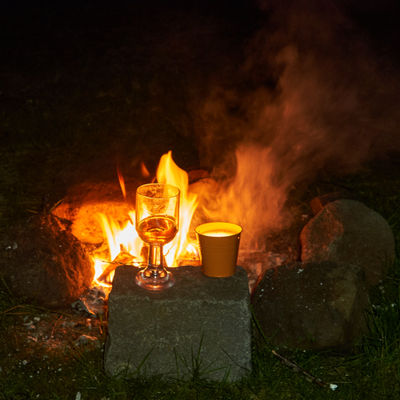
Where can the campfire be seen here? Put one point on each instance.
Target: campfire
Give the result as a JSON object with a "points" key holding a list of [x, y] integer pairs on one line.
{"points": [[79, 243], [108, 227], [106, 224], [123, 245]]}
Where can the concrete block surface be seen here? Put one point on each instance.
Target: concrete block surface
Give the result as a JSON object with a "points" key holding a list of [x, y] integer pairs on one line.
{"points": [[201, 326]]}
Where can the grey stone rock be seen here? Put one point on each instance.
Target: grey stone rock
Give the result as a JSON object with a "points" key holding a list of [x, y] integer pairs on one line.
{"points": [[42, 261], [319, 202], [348, 232], [312, 306], [199, 326]]}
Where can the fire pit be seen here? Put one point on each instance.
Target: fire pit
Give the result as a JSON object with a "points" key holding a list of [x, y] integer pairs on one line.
{"points": [[108, 226], [103, 219]]}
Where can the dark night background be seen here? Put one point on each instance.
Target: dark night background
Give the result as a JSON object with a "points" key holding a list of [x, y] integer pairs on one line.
{"points": [[89, 85]]}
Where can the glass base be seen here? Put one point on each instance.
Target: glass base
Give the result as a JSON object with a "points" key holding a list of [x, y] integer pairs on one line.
{"points": [[149, 279]]}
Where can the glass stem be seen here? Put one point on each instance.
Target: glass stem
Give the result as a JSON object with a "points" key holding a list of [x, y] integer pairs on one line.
{"points": [[155, 259]]}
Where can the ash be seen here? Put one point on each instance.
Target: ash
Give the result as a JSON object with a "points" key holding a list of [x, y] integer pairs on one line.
{"points": [[92, 303], [54, 332]]}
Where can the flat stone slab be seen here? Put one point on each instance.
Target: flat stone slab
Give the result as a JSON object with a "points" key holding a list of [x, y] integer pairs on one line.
{"points": [[201, 326]]}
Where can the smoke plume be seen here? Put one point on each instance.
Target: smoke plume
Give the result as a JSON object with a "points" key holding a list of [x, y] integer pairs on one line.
{"points": [[310, 95]]}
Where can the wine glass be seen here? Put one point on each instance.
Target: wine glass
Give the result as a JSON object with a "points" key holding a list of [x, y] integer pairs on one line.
{"points": [[157, 222]]}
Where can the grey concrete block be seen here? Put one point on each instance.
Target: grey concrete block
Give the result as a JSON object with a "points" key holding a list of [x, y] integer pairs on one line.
{"points": [[200, 325]]}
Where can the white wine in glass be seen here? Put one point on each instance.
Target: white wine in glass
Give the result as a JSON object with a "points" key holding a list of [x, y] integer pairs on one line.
{"points": [[157, 223]]}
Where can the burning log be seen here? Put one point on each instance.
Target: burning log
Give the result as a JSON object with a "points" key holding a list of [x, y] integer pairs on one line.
{"points": [[122, 259], [42, 261]]}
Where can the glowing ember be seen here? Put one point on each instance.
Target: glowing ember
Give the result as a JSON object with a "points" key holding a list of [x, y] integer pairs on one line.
{"points": [[124, 244]]}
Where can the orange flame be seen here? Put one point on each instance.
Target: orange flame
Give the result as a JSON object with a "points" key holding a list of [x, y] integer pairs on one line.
{"points": [[169, 172], [145, 172], [122, 240], [121, 183], [124, 244]]}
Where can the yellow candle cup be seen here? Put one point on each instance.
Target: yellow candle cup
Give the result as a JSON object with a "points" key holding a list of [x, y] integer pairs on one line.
{"points": [[219, 247]]}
